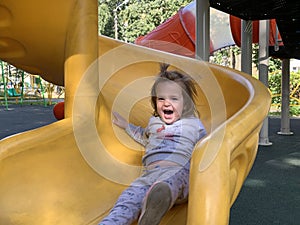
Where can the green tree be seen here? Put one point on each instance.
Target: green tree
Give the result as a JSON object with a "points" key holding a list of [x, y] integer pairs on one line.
{"points": [[136, 17], [104, 17], [141, 17], [275, 88], [274, 63], [226, 56]]}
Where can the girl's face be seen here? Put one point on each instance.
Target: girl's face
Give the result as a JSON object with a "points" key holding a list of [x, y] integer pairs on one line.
{"points": [[169, 101]]}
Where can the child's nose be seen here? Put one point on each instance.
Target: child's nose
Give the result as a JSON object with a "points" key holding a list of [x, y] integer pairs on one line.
{"points": [[167, 102]]}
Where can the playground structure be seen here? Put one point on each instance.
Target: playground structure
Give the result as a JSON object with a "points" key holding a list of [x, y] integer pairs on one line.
{"points": [[15, 87], [177, 35], [72, 171], [21, 87]]}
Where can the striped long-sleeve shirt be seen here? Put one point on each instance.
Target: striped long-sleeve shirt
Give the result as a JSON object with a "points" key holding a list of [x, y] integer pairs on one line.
{"points": [[171, 142]]}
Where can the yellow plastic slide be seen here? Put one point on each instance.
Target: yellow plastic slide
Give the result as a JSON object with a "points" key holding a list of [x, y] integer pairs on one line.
{"points": [[72, 171]]}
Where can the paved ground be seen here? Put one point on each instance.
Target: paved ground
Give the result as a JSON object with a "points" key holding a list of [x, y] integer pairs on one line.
{"points": [[271, 193], [20, 118]]}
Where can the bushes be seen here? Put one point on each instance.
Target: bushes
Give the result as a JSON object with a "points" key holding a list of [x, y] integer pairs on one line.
{"points": [[275, 88]]}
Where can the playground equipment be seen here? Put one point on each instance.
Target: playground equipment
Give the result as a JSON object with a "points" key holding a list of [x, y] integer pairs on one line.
{"points": [[58, 110], [72, 171], [15, 88], [177, 34]]}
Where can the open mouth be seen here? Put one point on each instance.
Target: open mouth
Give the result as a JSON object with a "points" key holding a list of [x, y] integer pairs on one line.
{"points": [[168, 112]]}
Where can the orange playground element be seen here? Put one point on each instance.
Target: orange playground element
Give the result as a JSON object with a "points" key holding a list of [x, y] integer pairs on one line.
{"points": [[58, 110], [177, 35], [235, 24]]}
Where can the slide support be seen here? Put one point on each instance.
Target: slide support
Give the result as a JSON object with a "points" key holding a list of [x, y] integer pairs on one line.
{"points": [[202, 30], [246, 45], [263, 64]]}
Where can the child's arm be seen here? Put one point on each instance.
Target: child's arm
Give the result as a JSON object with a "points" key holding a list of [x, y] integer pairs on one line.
{"points": [[119, 120], [136, 132]]}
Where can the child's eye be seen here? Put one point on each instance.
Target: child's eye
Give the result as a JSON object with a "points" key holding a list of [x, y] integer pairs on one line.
{"points": [[174, 99], [160, 99]]}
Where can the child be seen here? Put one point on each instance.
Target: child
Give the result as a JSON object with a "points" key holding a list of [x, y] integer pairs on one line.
{"points": [[169, 140]]}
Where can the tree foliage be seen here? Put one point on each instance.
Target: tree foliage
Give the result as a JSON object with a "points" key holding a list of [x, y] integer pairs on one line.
{"points": [[274, 63], [226, 56], [104, 18], [275, 88], [135, 18]]}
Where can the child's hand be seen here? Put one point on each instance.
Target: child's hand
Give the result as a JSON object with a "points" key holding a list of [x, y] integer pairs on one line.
{"points": [[120, 120]]}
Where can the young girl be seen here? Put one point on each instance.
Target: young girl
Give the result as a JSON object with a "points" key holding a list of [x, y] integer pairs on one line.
{"points": [[169, 140]]}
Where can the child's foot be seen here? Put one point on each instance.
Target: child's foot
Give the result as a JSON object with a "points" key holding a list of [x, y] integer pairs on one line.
{"points": [[156, 204]]}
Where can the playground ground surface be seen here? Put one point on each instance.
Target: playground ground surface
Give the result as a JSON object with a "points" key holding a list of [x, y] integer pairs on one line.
{"points": [[271, 193]]}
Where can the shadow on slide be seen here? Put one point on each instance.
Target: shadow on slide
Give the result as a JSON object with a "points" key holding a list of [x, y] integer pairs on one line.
{"points": [[72, 171]]}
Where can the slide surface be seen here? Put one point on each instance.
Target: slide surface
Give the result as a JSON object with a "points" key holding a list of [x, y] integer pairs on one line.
{"points": [[72, 171]]}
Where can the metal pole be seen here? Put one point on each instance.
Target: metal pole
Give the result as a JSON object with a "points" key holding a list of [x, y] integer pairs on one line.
{"points": [[4, 85], [246, 45], [116, 23], [42, 91], [202, 30], [263, 64], [22, 88], [115, 11], [285, 98]]}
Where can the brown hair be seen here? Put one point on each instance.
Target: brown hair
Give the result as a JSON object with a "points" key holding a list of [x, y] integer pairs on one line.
{"points": [[184, 81]]}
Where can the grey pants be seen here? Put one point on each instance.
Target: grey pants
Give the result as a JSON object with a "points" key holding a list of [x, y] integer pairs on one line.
{"points": [[128, 206]]}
